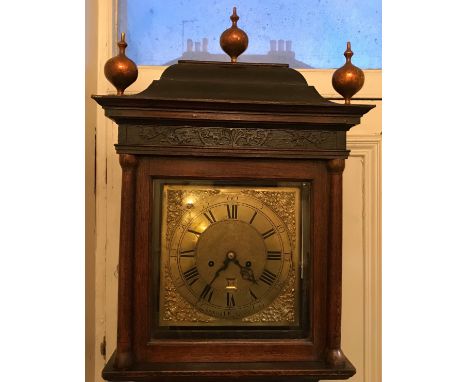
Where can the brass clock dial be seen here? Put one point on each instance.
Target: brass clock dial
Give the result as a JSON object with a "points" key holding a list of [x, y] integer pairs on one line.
{"points": [[230, 254]]}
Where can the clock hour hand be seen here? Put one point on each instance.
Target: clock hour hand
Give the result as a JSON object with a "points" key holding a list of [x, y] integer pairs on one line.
{"points": [[246, 273], [223, 267]]}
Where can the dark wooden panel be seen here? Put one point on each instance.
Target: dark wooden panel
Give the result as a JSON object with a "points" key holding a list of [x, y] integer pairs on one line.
{"points": [[230, 152], [227, 372], [123, 115], [125, 311], [335, 238], [229, 137]]}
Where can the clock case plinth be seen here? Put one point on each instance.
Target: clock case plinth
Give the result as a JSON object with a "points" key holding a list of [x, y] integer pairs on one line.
{"points": [[218, 121]]}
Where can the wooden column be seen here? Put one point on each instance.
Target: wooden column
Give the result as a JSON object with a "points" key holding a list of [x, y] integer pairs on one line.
{"points": [[124, 352], [335, 356]]}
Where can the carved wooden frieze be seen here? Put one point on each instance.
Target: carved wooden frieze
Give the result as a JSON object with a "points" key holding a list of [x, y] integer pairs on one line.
{"points": [[228, 137]]}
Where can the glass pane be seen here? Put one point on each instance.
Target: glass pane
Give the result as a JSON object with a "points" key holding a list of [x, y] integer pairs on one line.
{"points": [[302, 33]]}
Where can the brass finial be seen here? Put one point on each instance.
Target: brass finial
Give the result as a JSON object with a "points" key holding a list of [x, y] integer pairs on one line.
{"points": [[348, 52], [234, 41], [120, 70], [348, 79], [234, 18], [122, 44]]}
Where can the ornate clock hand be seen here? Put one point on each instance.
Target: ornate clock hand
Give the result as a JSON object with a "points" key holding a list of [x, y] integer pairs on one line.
{"points": [[246, 273], [223, 267]]}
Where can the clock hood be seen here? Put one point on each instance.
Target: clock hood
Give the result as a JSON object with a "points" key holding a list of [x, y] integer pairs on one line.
{"points": [[266, 89]]}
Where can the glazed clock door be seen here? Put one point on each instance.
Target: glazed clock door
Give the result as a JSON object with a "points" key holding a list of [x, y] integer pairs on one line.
{"points": [[230, 259]]}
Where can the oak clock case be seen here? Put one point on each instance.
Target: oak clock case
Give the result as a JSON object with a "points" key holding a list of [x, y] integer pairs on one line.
{"points": [[230, 233]]}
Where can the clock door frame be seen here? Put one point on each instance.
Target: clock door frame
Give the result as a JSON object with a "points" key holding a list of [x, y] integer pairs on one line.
{"points": [[147, 349]]}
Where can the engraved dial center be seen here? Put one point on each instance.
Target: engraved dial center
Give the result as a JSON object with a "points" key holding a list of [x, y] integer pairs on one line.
{"points": [[233, 241]]}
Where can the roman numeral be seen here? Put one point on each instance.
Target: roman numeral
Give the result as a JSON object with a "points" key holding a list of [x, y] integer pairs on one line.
{"points": [[273, 255], [252, 294], [207, 293], [189, 253], [268, 233], [191, 275], [232, 211], [267, 277], [230, 300], [210, 217], [253, 217], [194, 232]]}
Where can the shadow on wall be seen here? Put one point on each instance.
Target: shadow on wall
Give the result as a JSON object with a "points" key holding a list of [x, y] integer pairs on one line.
{"points": [[280, 52]]}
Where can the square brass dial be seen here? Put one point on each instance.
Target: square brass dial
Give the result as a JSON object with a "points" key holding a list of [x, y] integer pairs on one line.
{"points": [[230, 255]]}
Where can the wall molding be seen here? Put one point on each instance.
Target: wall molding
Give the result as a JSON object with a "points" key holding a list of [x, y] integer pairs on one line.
{"points": [[368, 149]]}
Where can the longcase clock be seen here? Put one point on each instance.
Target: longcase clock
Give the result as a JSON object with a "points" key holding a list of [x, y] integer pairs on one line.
{"points": [[231, 226]]}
